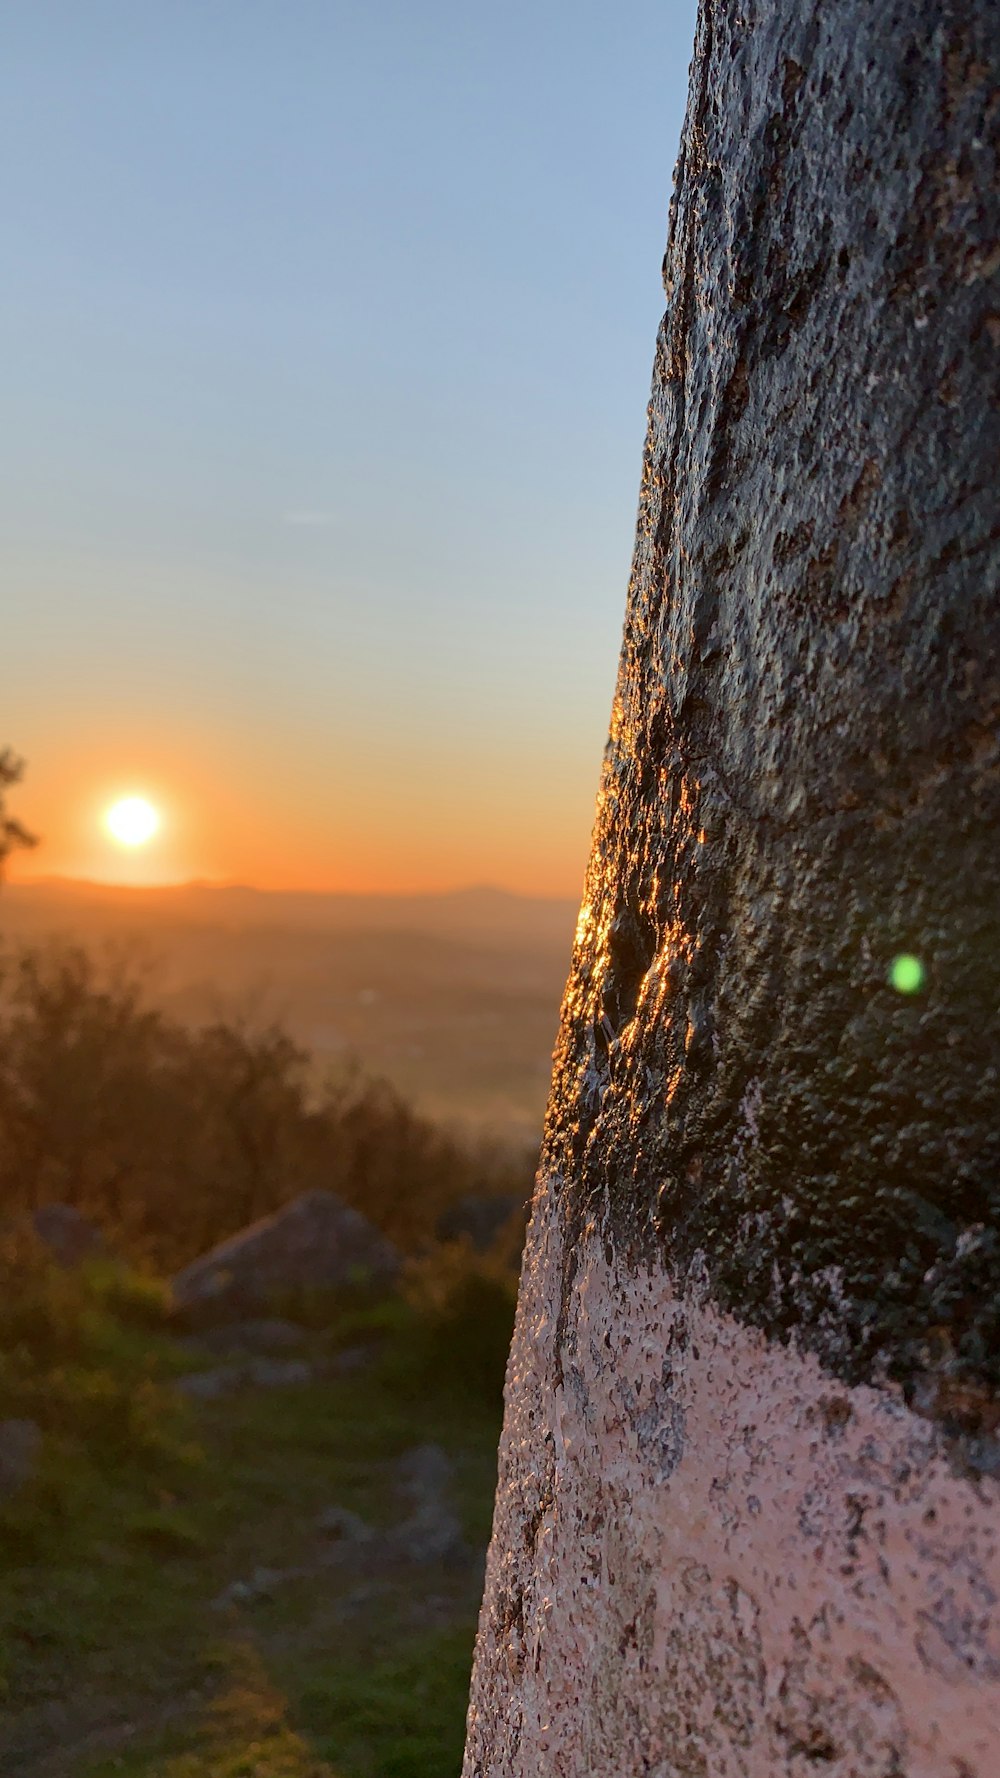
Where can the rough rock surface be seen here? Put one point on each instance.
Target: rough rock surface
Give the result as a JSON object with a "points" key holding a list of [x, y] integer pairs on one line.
{"points": [[803, 774], [745, 1522], [315, 1243]]}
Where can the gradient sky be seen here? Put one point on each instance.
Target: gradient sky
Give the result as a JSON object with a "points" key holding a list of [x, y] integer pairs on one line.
{"points": [[328, 332]]}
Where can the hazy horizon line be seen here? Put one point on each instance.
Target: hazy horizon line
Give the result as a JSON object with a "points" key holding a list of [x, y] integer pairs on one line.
{"points": [[58, 880]]}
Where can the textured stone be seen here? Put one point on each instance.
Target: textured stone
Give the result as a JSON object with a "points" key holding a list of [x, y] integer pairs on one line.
{"points": [[747, 1503], [803, 774]]}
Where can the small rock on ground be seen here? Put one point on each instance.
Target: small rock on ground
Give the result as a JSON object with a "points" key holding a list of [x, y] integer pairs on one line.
{"points": [[262, 1584], [432, 1531], [433, 1534], [424, 1471], [256, 1373], [352, 1358]]}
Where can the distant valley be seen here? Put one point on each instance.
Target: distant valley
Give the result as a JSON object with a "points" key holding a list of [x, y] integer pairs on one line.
{"points": [[454, 998]]}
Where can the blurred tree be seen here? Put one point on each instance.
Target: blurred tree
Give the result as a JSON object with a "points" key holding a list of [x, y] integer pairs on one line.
{"points": [[12, 833]]}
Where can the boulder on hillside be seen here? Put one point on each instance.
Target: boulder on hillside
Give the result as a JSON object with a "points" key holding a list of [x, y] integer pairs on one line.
{"points": [[67, 1234], [315, 1243]]}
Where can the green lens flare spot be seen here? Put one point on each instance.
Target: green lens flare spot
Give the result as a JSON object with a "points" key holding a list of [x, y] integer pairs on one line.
{"points": [[907, 974]]}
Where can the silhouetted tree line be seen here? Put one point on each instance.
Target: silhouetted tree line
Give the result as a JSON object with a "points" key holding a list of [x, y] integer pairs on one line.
{"points": [[171, 1137]]}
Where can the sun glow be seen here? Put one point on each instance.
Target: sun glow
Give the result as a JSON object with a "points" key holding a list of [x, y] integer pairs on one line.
{"points": [[132, 821]]}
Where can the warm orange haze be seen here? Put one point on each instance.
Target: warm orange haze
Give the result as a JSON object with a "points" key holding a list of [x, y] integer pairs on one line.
{"points": [[315, 529], [336, 826]]}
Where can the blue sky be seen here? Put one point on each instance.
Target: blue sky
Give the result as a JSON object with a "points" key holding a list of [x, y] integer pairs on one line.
{"points": [[328, 338]]}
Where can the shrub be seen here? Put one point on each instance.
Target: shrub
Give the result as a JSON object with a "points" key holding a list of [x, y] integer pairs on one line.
{"points": [[464, 1306], [171, 1139], [70, 1362]]}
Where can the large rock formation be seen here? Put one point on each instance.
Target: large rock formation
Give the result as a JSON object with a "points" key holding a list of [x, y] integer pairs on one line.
{"points": [[747, 1515]]}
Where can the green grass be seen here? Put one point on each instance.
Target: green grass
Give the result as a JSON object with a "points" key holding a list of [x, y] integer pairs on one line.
{"points": [[113, 1657], [394, 1717]]}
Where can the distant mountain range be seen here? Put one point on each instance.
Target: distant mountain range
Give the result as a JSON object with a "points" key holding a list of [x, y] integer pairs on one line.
{"points": [[454, 997], [480, 911]]}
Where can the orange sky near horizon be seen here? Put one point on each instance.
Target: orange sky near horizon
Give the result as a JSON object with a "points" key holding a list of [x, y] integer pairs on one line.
{"points": [[324, 430], [344, 830]]}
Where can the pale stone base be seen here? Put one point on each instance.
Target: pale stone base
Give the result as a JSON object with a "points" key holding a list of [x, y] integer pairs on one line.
{"points": [[712, 1560]]}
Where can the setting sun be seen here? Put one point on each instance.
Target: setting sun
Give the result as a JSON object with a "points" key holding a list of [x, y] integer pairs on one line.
{"points": [[132, 821]]}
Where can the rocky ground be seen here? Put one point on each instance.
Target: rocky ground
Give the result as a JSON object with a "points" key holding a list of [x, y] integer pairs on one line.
{"points": [[288, 1588]]}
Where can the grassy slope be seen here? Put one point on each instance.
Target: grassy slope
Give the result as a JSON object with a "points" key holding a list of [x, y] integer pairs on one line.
{"points": [[115, 1659]]}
